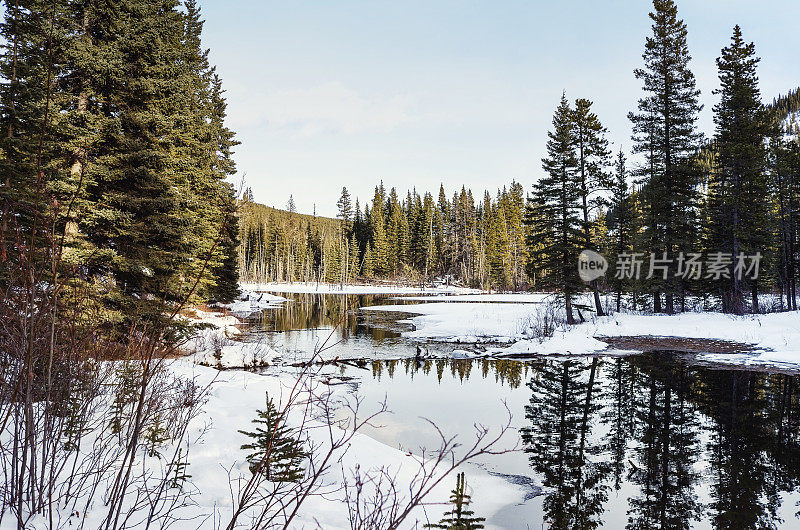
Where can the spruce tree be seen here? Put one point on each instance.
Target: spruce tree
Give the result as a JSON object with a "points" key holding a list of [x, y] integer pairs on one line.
{"points": [[460, 517], [740, 212], [276, 454], [664, 131], [619, 220], [379, 238], [556, 235], [592, 153], [345, 206]]}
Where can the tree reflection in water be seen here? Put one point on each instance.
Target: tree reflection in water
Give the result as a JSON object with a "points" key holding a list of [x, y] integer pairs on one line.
{"points": [[680, 445]]}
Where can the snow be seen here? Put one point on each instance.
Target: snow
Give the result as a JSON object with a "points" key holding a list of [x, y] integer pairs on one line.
{"points": [[251, 302], [233, 402], [525, 298], [774, 336], [469, 322], [335, 288], [505, 318], [213, 344], [234, 399], [216, 323]]}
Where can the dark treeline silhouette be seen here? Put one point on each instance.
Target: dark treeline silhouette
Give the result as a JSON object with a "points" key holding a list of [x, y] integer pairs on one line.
{"points": [[113, 133]]}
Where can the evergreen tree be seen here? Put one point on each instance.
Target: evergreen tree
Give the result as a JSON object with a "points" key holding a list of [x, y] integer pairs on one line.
{"points": [[379, 238], [134, 143], [664, 130], [345, 206], [276, 452], [592, 154], [226, 273], [739, 212], [514, 211], [620, 220], [460, 517], [556, 235]]}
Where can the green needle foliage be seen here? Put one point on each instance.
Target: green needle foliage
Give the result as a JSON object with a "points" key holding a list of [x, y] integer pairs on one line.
{"points": [[276, 454], [113, 129], [460, 517]]}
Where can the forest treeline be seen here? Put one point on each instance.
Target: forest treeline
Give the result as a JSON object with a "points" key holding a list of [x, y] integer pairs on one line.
{"points": [[414, 237], [114, 155], [676, 198]]}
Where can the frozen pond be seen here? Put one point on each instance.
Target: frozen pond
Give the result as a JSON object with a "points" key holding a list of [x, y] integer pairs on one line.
{"points": [[650, 441]]}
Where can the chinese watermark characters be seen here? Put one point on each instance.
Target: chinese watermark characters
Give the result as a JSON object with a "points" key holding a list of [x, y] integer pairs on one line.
{"points": [[689, 265]]}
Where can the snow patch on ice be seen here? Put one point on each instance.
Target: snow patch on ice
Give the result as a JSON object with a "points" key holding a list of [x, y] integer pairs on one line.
{"points": [[335, 288], [252, 302]]}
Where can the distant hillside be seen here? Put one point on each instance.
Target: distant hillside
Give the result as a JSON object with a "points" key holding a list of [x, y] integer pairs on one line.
{"points": [[277, 244], [786, 110], [258, 210]]}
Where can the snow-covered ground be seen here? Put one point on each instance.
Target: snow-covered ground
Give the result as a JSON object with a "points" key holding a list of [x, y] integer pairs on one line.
{"points": [[234, 398], [776, 336], [250, 302], [335, 288], [476, 318], [524, 298], [468, 322]]}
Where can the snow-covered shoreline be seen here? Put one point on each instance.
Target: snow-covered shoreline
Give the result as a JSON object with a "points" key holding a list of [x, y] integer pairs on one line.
{"points": [[507, 322], [775, 337], [335, 288], [235, 397], [233, 401], [237, 394]]}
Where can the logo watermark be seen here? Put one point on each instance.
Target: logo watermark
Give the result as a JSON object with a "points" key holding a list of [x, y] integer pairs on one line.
{"points": [[591, 265], [686, 265]]}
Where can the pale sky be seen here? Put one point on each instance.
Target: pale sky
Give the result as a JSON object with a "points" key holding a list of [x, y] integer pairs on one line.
{"points": [[325, 94]]}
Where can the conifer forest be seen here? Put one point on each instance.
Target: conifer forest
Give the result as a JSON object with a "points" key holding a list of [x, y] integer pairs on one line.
{"points": [[378, 266]]}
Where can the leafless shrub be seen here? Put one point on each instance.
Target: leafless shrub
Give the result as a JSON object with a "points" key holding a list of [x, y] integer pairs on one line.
{"points": [[544, 321]]}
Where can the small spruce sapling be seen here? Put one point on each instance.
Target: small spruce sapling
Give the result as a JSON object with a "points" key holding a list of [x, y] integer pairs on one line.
{"points": [[277, 453], [180, 474], [460, 517]]}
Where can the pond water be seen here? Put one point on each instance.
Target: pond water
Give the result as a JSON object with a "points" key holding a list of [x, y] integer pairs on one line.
{"points": [[640, 442]]}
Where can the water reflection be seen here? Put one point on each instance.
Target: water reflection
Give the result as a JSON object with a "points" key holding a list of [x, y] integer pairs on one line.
{"points": [[307, 311], [307, 321], [639, 442], [505, 372]]}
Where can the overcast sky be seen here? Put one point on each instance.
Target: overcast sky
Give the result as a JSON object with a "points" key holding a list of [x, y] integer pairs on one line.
{"points": [[336, 93]]}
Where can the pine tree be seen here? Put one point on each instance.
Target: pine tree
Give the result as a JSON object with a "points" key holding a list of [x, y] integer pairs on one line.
{"points": [[460, 517], [276, 452], [592, 154], [740, 212], [619, 220], [556, 235], [442, 234], [664, 130], [380, 240], [226, 272], [514, 211], [345, 206]]}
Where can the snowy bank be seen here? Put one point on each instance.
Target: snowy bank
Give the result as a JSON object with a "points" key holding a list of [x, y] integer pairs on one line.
{"points": [[775, 337], [217, 461], [522, 298], [234, 399], [252, 302], [468, 322], [335, 288], [213, 344]]}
